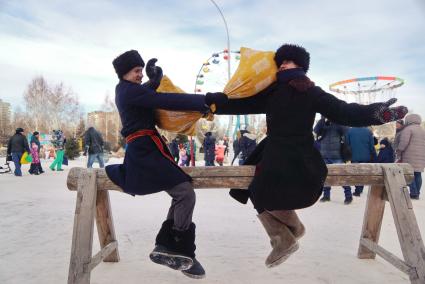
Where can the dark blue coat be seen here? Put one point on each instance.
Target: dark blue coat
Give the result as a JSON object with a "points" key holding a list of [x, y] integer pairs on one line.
{"points": [[145, 169], [330, 135], [209, 147], [360, 139], [386, 155]]}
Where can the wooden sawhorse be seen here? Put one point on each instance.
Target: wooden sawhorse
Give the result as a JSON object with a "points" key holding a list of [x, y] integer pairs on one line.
{"points": [[388, 183]]}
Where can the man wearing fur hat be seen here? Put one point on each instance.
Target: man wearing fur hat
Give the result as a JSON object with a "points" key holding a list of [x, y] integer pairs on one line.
{"points": [[16, 147], [290, 172], [148, 165]]}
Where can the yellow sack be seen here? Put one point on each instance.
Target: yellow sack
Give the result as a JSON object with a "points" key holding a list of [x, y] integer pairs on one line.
{"points": [[256, 71], [26, 159], [175, 121]]}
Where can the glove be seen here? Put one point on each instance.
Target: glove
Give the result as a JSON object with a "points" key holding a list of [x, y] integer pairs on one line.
{"points": [[153, 72], [215, 98], [9, 158], [384, 113]]}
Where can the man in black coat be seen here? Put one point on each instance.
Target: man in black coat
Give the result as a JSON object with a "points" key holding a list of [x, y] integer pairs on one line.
{"points": [[93, 145], [148, 166], [331, 135], [209, 149], [290, 172], [16, 147]]}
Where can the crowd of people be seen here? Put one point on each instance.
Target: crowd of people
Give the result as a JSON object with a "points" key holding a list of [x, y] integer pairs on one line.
{"points": [[19, 151], [408, 146]]}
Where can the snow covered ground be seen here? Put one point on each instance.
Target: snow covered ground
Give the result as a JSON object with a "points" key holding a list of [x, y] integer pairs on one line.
{"points": [[36, 219]]}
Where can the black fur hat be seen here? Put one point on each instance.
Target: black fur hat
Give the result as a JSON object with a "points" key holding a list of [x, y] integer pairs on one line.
{"points": [[19, 130], [294, 53], [127, 61]]}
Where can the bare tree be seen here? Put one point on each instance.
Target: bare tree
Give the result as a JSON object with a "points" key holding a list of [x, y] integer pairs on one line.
{"points": [[36, 96], [21, 119]]}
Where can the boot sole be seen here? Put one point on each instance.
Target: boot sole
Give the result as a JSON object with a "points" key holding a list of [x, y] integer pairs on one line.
{"points": [[173, 261], [288, 253], [193, 276]]}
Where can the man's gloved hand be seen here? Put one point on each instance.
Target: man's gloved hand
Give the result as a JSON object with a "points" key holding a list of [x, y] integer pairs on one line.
{"points": [[384, 113], [215, 98], [153, 72], [9, 158]]}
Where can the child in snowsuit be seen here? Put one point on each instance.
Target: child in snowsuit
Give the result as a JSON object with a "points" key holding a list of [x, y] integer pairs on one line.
{"points": [[35, 168]]}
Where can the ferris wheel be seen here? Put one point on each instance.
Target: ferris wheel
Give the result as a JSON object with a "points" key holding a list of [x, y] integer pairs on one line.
{"points": [[367, 90], [213, 76]]}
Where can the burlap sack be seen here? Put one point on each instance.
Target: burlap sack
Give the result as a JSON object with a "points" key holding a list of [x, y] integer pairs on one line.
{"points": [[256, 71], [182, 122]]}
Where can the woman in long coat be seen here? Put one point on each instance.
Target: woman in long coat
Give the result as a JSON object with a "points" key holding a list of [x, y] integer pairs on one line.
{"points": [[290, 172]]}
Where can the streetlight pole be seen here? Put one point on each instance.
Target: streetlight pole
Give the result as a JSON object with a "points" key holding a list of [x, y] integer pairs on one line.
{"points": [[228, 59], [228, 38]]}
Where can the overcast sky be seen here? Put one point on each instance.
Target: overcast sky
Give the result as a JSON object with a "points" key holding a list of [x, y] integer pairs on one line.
{"points": [[74, 42]]}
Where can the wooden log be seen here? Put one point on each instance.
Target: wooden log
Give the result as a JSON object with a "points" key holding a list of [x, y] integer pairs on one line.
{"points": [[408, 232], [82, 236], [105, 224], [241, 176], [372, 221]]}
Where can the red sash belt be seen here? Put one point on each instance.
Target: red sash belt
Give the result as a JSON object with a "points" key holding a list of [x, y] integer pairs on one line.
{"points": [[154, 135]]}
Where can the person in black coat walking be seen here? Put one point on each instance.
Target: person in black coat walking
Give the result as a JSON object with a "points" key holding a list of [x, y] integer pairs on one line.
{"points": [[148, 165], [209, 149], [16, 147], [93, 145], [291, 173]]}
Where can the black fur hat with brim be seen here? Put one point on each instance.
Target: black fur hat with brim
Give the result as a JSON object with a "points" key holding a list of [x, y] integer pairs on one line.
{"points": [[127, 61], [295, 53]]}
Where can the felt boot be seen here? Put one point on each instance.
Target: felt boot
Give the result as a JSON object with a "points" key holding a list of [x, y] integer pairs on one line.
{"points": [[175, 249], [282, 240], [291, 220]]}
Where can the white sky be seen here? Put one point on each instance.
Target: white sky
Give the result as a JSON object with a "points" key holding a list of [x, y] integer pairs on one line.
{"points": [[76, 41]]}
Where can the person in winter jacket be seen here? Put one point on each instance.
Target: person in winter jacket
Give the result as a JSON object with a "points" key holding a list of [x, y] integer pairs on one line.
{"points": [[209, 149], [247, 144], [290, 172], [362, 144], [236, 148], [412, 150], [93, 145], [219, 152], [386, 153], [174, 149], [330, 136], [148, 165], [58, 142], [35, 164], [35, 138], [16, 147], [399, 125]]}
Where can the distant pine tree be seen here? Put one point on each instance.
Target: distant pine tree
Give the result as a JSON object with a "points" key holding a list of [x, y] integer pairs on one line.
{"points": [[72, 150]]}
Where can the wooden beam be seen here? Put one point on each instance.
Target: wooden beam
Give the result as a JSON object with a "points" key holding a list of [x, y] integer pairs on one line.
{"points": [[82, 236], [241, 176], [105, 224], [388, 256], [408, 232], [372, 221], [102, 254]]}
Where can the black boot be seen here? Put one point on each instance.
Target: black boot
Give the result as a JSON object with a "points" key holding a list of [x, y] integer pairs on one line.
{"points": [[175, 249], [241, 195], [196, 271]]}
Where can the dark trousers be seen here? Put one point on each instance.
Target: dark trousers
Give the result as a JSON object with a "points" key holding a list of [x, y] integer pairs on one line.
{"points": [[415, 186], [327, 189], [182, 205], [16, 158]]}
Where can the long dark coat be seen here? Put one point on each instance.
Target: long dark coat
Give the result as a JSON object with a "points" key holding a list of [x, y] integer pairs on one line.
{"points": [[291, 172], [146, 169]]}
